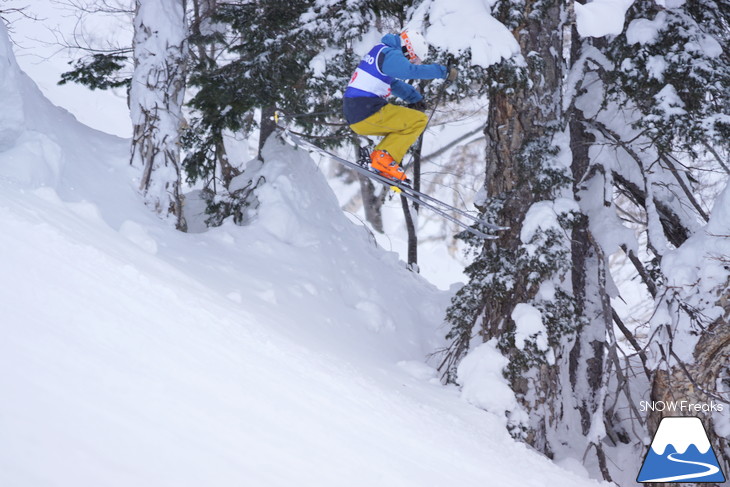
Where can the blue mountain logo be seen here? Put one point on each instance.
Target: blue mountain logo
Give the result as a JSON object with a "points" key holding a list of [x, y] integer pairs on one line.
{"points": [[681, 452]]}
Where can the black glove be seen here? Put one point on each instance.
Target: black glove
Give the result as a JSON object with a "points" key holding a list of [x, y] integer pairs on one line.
{"points": [[419, 105]]}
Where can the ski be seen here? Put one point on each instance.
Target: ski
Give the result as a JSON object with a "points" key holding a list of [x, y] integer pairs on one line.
{"points": [[432, 200], [436, 201], [434, 204], [405, 188]]}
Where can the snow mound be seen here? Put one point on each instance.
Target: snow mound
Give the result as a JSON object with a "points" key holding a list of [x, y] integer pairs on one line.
{"points": [[480, 374], [324, 258], [11, 123]]}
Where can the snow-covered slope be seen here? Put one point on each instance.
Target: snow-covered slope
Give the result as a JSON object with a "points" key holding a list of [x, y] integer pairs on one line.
{"points": [[288, 352]]}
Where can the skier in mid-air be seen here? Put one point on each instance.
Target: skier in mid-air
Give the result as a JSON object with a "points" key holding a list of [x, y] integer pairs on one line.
{"points": [[380, 74]]}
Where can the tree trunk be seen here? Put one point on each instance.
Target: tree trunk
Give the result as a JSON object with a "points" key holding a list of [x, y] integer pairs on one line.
{"points": [[267, 126], [372, 203], [562, 390], [412, 236], [228, 171], [411, 212], [156, 98], [589, 271], [520, 129], [203, 25]]}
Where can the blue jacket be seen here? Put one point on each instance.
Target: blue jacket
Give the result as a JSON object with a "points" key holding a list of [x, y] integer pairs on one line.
{"points": [[393, 63]]}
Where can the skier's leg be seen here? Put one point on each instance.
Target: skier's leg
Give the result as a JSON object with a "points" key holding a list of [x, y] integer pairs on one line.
{"points": [[371, 126], [400, 127], [403, 125]]}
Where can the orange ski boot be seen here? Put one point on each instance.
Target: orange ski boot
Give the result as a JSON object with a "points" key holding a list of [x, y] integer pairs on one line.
{"points": [[384, 163]]}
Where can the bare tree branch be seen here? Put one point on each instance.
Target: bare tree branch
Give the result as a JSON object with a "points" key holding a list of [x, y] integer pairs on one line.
{"points": [[632, 340], [717, 157]]}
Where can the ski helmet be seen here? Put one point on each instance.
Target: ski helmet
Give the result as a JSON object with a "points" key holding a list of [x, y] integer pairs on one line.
{"points": [[414, 45]]}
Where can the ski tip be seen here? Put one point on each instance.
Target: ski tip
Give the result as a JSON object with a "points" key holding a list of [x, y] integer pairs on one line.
{"points": [[493, 227], [485, 236], [478, 234]]}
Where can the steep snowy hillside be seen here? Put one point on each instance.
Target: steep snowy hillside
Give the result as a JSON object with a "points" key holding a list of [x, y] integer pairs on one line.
{"points": [[288, 352]]}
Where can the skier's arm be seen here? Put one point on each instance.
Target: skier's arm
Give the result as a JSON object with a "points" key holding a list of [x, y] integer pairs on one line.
{"points": [[396, 65], [405, 92]]}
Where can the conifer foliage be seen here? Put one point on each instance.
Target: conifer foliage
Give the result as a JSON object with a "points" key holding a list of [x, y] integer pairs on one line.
{"points": [[261, 64], [99, 71], [671, 64]]}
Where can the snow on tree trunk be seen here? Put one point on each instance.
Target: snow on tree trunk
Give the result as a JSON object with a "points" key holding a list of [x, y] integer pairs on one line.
{"points": [[156, 98]]}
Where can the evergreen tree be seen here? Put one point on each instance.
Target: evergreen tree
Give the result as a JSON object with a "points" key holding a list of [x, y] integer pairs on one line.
{"points": [[261, 64], [99, 71], [264, 65]]}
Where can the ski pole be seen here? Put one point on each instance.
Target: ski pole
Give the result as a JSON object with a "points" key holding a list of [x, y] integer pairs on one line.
{"points": [[439, 95]]}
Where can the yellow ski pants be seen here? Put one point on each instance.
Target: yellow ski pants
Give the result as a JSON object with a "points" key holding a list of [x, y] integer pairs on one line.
{"points": [[399, 125]]}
